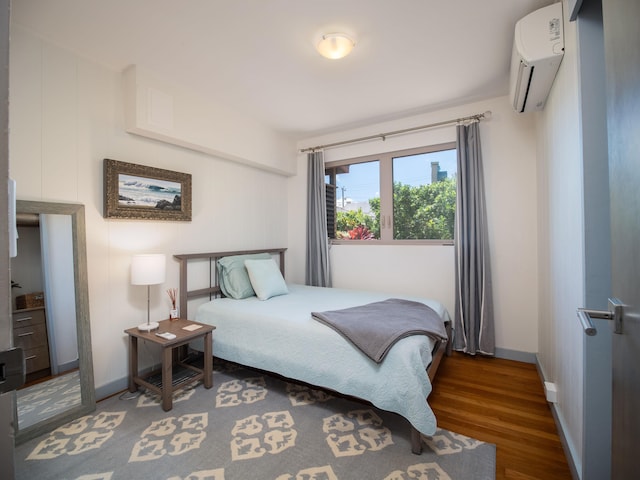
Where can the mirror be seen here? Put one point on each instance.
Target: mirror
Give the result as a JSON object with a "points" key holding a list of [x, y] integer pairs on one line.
{"points": [[49, 326]]}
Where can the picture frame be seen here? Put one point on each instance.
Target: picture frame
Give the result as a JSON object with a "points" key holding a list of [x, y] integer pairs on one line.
{"points": [[141, 192]]}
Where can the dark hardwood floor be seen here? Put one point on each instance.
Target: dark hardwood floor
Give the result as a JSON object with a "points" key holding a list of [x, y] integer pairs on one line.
{"points": [[501, 402]]}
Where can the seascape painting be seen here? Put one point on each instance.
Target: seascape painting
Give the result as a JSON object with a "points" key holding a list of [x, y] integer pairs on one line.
{"points": [[148, 192], [133, 191]]}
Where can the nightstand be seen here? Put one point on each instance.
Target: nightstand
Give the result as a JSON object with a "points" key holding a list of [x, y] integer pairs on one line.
{"points": [[30, 333], [169, 379]]}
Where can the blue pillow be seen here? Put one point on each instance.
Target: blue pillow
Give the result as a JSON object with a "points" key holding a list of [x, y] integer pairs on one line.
{"points": [[232, 275], [266, 279]]}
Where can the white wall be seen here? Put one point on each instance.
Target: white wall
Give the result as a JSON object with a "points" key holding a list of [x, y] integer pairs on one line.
{"points": [[67, 115], [508, 145], [167, 112], [561, 244], [60, 300], [26, 267]]}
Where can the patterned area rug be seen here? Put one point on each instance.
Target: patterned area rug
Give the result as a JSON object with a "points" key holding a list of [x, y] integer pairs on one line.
{"points": [[43, 400], [248, 426]]}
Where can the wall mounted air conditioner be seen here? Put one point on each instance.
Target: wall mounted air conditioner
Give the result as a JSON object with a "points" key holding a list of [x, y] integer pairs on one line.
{"points": [[538, 47]]}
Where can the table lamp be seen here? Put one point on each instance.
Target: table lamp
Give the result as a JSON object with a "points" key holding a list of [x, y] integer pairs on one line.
{"points": [[148, 269]]}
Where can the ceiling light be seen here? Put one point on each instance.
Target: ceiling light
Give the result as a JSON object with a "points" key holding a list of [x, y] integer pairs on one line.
{"points": [[335, 45]]}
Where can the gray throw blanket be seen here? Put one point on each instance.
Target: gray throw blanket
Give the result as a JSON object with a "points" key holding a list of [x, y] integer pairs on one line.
{"points": [[375, 327]]}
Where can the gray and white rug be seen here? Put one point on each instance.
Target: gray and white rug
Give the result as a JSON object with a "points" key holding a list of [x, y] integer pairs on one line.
{"points": [[44, 400], [248, 426]]}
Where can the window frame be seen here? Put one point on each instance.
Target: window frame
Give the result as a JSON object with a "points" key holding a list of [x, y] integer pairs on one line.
{"points": [[386, 193]]}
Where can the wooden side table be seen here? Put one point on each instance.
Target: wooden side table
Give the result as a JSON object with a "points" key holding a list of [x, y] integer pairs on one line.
{"points": [[185, 374]]}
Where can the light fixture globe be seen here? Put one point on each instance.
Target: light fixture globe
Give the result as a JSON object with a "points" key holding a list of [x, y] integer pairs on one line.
{"points": [[335, 45]]}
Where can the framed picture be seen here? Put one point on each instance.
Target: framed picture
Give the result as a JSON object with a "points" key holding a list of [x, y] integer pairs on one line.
{"points": [[148, 193]]}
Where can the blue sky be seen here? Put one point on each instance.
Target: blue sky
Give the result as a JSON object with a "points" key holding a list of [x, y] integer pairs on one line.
{"points": [[363, 180]]}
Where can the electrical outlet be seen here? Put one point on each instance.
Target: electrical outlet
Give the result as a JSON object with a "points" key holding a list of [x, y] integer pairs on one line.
{"points": [[551, 392]]}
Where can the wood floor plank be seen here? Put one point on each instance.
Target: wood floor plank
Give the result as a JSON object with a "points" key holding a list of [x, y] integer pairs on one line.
{"points": [[501, 402]]}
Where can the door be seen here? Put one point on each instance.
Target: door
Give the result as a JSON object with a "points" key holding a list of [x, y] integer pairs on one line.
{"points": [[622, 59], [6, 399]]}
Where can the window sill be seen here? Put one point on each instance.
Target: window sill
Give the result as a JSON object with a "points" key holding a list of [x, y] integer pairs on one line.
{"points": [[393, 242]]}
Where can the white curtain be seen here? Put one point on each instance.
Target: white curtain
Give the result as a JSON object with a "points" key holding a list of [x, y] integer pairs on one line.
{"points": [[474, 326], [317, 258]]}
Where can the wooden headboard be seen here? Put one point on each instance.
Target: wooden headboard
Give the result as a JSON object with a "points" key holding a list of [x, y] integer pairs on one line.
{"points": [[213, 290]]}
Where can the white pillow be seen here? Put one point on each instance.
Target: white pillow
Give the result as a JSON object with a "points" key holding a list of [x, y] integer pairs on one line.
{"points": [[266, 278]]}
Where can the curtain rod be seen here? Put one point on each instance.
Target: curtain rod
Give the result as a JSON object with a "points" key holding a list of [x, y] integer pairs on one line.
{"points": [[383, 136]]}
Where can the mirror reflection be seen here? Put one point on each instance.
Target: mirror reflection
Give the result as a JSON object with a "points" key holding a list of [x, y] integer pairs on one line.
{"points": [[50, 317]]}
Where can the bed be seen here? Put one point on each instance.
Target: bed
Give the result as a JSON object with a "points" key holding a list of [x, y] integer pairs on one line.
{"points": [[279, 335]]}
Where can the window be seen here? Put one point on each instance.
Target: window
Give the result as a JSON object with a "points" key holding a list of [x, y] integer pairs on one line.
{"points": [[403, 196]]}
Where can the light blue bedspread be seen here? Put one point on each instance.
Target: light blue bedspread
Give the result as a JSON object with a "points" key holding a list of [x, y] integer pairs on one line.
{"points": [[279, 335]]}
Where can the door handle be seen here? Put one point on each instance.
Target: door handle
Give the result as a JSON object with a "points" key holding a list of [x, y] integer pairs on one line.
{"points": [[614, 313]]}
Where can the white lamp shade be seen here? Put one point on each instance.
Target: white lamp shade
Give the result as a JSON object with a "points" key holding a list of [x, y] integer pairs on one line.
{"points": [[335, 45], [148, 269]]}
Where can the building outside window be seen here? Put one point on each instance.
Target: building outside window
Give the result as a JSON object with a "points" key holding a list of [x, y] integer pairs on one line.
{"points": [[407, 196]]}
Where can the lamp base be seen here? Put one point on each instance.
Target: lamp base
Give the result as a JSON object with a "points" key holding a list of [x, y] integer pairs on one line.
{"points": [[147, 327]]}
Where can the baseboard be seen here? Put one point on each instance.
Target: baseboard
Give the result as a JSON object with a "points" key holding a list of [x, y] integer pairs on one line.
{"points": [[69, 366], [110, 389], [567, 447], [117, 386], [526, 357], [565, 444]]}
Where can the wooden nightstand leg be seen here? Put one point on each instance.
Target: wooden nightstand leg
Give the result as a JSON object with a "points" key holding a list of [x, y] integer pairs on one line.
{"points": [[133, 362], [208, 360], [167, 379]]}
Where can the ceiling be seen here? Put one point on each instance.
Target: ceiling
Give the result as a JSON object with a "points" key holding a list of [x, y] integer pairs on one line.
{"points": [[258, 56]]}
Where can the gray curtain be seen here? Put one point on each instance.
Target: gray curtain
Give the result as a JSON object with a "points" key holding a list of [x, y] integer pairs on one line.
{"points": [[317, 266], [474, 327]]}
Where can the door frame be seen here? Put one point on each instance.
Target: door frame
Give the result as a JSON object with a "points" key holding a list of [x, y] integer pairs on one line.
{"points": [[596, 437], [6, 399]]}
